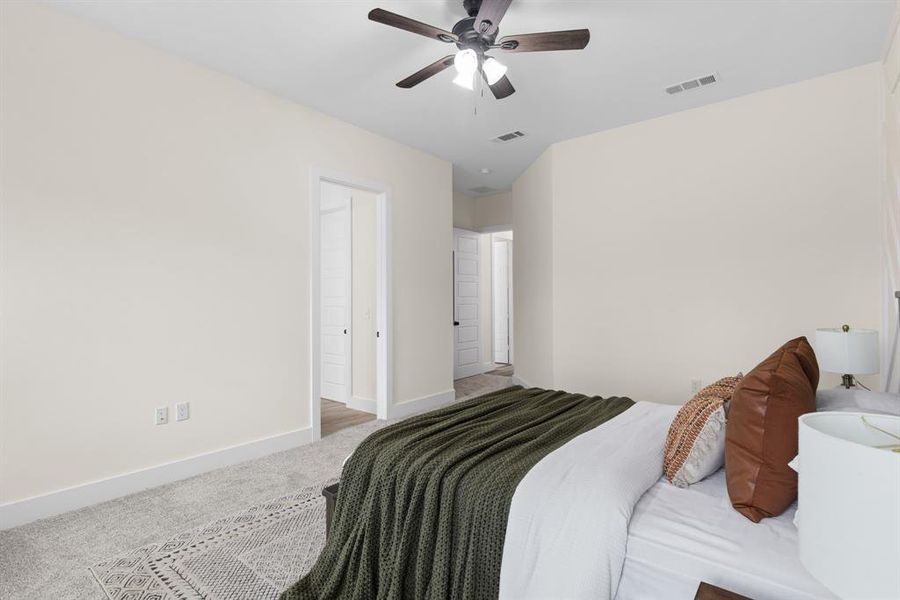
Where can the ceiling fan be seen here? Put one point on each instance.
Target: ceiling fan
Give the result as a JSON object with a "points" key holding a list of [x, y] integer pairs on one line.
{"points": [[474, 36]]}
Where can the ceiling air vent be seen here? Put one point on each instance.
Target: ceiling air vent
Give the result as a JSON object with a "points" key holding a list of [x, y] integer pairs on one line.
{"points": [[693, 84], [508, 137], [481, 190]]}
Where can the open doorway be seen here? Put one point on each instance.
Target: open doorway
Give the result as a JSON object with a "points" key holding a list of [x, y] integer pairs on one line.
{"points": [[502, 300], [483, 311], [349, 308]]}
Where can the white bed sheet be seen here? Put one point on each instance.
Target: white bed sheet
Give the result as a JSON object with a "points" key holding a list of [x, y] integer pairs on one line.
{"points": [[680, 537], [568, 521]]}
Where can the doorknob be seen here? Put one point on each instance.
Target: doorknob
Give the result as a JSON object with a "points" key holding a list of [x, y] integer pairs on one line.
{"points": [[345, 332], [456, 323]]}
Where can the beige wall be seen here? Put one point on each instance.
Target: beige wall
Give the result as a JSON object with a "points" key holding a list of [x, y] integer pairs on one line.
{"points": [[493, 211], [892, 201], [533, 293], [155, 250], [463, 211], [363, 305], [695, 244], [482, 212]]}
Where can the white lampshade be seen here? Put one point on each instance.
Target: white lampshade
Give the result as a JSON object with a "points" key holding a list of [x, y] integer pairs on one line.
{"points": [[494, 70], [465, 80], [853, 352], [849, 503], [466, 63]]}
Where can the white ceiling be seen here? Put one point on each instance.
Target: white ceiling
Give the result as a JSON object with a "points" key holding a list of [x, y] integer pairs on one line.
{"points": [[328, 55]]}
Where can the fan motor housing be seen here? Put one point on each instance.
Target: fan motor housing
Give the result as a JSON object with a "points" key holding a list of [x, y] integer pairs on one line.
{"points": [[469, 38]]}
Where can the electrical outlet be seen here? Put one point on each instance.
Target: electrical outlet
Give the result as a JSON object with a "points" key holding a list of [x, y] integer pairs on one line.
{"points": [[696, 385], [161, 417], [183, 411]]}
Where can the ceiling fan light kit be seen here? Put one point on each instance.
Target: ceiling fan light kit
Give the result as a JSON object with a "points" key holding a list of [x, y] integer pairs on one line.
{"points": [[465, 81], [466, 63], [494, 70], [474, 36]]}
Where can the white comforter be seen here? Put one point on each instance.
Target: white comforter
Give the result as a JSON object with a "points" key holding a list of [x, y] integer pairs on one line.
{"points": [[568, 522]]}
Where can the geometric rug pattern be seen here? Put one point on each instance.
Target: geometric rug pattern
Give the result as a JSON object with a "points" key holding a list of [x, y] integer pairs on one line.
{"points": [[256, 553]]}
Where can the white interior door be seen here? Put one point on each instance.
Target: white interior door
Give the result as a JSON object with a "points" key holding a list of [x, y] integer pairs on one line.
{"points": [[336, 284], [501, 292], [466, 296]]}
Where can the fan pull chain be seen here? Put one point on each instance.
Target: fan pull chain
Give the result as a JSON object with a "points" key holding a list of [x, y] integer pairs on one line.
{"points": [[481, 90]]}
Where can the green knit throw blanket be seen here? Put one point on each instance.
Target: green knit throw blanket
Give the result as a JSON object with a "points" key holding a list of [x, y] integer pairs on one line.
{"points": [[423, 504]]}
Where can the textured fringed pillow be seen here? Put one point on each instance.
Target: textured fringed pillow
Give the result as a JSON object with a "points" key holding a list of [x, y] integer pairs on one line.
{"points": [[695, 446]]}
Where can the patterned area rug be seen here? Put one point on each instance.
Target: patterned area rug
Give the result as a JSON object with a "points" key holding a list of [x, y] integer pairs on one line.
{"points": [[254, 554]]}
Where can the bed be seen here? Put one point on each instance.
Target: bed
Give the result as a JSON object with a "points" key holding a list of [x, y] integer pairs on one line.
{"points": [[529, 493], [679, 537]]}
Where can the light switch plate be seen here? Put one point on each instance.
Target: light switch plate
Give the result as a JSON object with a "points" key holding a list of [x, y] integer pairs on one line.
{"points": [[161, 416], [183, 411]]}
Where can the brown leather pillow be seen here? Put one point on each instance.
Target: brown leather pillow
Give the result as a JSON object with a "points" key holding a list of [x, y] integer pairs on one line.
{"points": [[761, 433]]}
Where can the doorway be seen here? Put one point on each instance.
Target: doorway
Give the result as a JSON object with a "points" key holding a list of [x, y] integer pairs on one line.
{"points": [[482, 311], [349, 308], [502, 297]]}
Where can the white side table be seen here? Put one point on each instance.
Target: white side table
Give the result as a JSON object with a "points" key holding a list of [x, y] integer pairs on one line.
{"points": [[849, 500]]}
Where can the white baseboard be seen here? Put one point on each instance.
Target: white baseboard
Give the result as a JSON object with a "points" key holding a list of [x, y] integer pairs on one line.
{"points": [[364, 404], [472, 370], [516, 380], [24, 511], [424, 404]]}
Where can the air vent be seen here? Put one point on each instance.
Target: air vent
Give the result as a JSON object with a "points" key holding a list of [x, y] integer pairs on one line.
{"points": [[481, 190], [693, 84], [508, 137]]}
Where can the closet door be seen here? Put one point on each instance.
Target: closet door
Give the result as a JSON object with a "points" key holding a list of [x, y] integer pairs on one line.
{"points": [[466, 303], [336, 237]]}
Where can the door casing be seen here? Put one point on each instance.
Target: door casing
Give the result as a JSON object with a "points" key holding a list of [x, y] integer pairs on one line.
{"points": [[501, 303], [384, 341]]}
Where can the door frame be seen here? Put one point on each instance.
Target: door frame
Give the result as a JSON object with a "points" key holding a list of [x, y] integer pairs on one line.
{"points": [[509, 296], [384, 342]]}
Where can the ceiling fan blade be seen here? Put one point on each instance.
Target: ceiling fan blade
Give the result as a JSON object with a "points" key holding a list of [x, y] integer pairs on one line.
{"points": [[489, 15], [423, 74], [575, 39], [502, 88], [385, 17]]}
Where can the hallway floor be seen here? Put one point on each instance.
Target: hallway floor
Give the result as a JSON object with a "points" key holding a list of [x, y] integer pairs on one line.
{"points": [[491, 381], [336, 416]]}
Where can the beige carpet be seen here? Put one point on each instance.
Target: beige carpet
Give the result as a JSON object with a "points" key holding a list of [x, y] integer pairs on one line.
{"points": [[50, 558], [256, 553]]}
